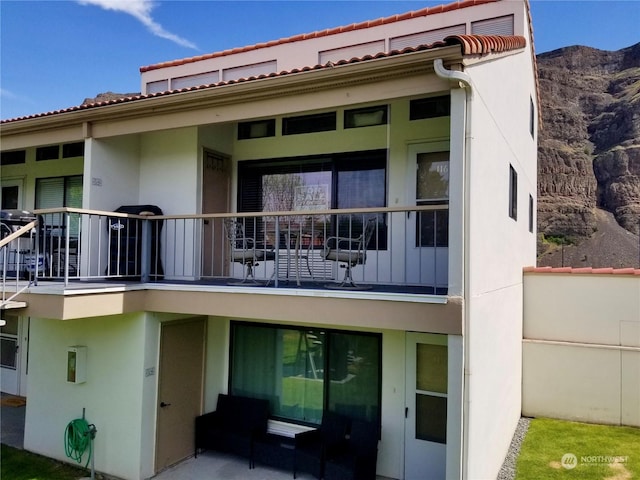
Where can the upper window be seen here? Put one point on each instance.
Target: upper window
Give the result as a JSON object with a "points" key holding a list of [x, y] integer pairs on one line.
{"points": [[513, 193], [157, 86], [532, 118], [493, 26], [257, 129], [430, 107], [365, 117], [305, 371], [73, 150], [319, 122], [51, 152], [14, 157], [531, 214]]}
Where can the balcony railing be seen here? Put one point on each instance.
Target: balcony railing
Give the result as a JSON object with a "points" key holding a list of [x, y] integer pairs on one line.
{"points": [[406, 249]]}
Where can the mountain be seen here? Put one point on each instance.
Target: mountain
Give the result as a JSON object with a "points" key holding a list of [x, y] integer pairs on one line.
{"points": [[588, 153]]}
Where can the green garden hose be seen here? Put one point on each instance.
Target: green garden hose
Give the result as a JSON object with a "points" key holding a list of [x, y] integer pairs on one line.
{"points": [[78, 438]]}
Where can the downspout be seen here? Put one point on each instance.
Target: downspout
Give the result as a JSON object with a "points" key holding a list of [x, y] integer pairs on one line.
{"points": [[463, 80]]}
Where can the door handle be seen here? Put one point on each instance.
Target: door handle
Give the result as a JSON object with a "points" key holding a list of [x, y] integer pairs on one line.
{"points": [[406, 412], [162, 404]]}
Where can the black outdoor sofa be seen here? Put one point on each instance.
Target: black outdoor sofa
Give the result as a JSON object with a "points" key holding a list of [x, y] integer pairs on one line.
{"points": [[339, 449]]}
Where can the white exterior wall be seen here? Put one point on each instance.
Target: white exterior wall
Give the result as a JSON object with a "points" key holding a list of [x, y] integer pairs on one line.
{"points": [[169, 175], [498, 248], [111, 172], [117, 397]]}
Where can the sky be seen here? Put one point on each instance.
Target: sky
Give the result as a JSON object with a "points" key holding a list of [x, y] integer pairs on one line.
{"points": [[56, 53]]}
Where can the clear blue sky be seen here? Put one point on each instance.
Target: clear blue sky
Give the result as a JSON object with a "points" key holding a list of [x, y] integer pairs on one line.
{"points": [[54, 54]]}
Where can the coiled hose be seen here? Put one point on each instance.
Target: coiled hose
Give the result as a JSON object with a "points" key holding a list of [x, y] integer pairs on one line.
{"points": [[77, 439]]}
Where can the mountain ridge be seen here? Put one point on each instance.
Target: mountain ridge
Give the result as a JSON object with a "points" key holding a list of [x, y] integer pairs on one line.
{"points": [[589, 143]]}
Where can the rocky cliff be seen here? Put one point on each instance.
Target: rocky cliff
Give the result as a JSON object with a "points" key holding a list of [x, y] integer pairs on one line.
{"points": [[589, 145]]}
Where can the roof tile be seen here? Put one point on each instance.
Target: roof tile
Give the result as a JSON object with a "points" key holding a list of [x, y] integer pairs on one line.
{"points": [[471, 44], [584, 270], [322, 33]]}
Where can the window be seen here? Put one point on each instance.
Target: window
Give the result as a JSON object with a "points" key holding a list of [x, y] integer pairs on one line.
{"points": [[493, 26], [10, 197], [430, 107], [73, 150], [248, 71], [432, 188], [257, 129], [345, 180], [195, 80], [305, 371], [365, 117], [431, 392], [13, 158], [425, 38], [60, 192], [157, 86], [351, 51], [52, 152], [319, 122], [531, 212], [532, 118], [513, 193]]}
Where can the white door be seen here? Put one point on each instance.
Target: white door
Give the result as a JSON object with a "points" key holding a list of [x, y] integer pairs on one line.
{"points": [[428, 231], [10, 364], [426, 406]]}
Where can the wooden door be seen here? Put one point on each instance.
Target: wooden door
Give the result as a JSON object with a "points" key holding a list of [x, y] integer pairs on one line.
{"points": [[180, 389], [215, 199]]}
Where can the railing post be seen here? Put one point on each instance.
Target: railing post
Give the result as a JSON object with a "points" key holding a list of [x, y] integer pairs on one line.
{"points": [[145, 251], [277, 248], [67, 233]]}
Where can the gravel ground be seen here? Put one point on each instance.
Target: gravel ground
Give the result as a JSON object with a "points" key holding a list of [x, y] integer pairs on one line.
{"points": [[508, 470]]}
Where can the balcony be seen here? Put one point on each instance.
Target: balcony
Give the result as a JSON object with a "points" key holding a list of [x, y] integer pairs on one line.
{"points": [[405, 249]]}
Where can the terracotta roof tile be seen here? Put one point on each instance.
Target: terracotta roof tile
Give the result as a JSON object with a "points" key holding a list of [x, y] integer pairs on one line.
{"points": [[584, 270], [480, 46], [323, 33]]}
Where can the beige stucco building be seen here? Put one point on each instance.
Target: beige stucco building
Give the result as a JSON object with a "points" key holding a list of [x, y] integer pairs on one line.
{"points": [[424, 123]]}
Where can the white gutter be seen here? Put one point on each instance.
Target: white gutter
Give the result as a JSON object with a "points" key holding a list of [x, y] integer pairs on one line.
{"points": [[463, 80]]}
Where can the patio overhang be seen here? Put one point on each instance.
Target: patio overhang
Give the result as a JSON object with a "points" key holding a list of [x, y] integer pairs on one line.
{"points": [[435, 314]]}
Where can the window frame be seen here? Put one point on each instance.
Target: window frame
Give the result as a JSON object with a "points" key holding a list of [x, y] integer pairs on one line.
{"points": [[513, 193]]}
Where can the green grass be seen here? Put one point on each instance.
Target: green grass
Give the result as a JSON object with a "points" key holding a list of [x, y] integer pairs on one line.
{"points": [[601, 452], [18, 464]]}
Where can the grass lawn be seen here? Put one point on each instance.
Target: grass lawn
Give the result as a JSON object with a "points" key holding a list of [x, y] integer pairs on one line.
{"points": [[18, 464], [555, 449]]}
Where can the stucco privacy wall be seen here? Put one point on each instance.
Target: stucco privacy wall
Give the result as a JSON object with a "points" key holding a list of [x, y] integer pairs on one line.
{"points": [[581, 347], [119, 399]]}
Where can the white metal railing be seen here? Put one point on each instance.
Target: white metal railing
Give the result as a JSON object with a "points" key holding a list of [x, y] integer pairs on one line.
{"points": [[16, 243], [408, 249]]}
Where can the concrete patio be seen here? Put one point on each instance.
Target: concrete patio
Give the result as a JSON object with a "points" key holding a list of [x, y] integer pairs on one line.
{"points": [[209, 465]]}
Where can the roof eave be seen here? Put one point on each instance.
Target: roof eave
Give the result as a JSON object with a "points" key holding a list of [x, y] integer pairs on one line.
{"points": [[324, 77]]}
